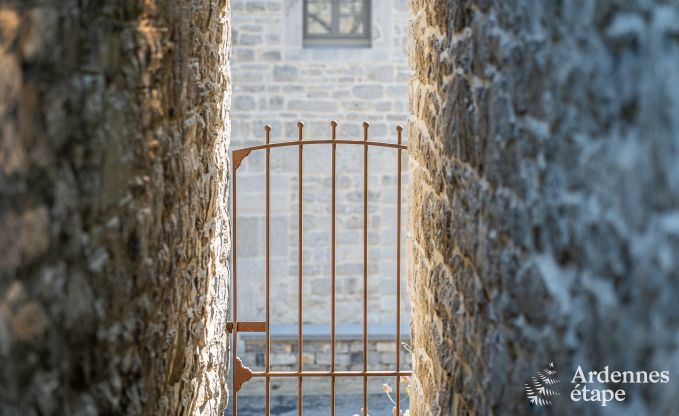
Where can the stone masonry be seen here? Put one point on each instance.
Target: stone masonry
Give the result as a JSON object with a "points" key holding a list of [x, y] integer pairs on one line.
{"points": [[317, 356], [114, 235], [316, 352], [279, 82], [544, 200]]}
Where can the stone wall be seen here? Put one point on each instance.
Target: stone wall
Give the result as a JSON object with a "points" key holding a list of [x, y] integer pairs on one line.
{"points": [[113, 176], [317, 354], [544, 200], [279, 82]]}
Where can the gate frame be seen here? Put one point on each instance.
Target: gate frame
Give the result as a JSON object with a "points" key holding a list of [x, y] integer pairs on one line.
{"points": [[241, 373]]}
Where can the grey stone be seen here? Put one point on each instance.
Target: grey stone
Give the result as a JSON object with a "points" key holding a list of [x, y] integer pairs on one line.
{"points": [[394, 91], [285, 73], [249, 241], [249, 39], [276, 103], [244, 103], [244, 55], [255, 6], [368, 91], [271, 56], [312, 105]]}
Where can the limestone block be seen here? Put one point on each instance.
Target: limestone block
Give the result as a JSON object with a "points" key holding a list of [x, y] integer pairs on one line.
{"points": [[368, 91]]}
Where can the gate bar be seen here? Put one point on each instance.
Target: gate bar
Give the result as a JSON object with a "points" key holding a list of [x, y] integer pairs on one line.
{"points": [[300, 126], [235, 287], [373, 373], [332, 336], [267, 128], [399, 129], [365, 267]]}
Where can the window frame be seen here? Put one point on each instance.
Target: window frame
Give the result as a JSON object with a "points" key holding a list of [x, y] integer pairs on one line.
{"points": [[338, 39]]}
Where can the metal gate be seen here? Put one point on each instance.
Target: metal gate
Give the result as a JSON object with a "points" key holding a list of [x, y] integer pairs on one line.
{"points": [[241, 373]]}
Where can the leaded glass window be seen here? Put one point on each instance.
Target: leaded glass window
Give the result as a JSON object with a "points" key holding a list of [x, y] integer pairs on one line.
{"points": [[337, 22]]}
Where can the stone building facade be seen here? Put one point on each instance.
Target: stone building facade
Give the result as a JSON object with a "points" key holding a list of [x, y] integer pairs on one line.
{"points": [[544, 200], [279, 81]]}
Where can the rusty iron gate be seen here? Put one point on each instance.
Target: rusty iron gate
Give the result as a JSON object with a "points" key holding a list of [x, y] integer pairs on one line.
{"points": [[241, 373]]}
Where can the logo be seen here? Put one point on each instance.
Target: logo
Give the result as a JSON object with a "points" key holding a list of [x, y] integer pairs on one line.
{"points": [[590, 386], [540, 389]]}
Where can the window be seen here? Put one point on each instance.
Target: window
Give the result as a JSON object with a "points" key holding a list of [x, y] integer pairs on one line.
{"points": [[336, 22]]}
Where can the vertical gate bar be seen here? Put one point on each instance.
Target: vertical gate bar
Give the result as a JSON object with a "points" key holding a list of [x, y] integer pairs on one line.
{"points": [[365, 268], [300, 126], [268, 270], [332, 334], [399, 129], [235, 292]]}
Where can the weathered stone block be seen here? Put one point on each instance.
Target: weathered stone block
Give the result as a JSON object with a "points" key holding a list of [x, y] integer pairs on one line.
{"points": [[382, 346], [283, 359], [312, 105], [249, 39], [368, 91], [395, 91], [244, 54], [249, 243], [270, 56], [285, 73], [245, 103], [255, 6], [308, 358]]}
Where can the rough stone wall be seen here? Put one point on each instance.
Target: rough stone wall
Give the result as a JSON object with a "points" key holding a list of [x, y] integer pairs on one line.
{"points": [[544, 204], [278, 81], [113, 170]]}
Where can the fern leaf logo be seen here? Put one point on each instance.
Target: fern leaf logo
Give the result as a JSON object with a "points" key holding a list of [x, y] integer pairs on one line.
{"points": [[540, 388]]}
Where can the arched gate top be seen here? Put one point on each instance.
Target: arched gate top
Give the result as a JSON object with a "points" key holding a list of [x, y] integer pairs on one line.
{"points": [[240, 154]]}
